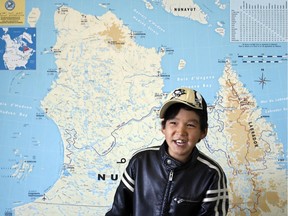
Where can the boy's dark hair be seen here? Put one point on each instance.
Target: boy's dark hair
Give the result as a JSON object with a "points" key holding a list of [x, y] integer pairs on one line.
{"points": [[174, 109]]}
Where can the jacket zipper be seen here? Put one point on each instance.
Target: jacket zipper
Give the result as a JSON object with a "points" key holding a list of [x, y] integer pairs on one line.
{"points": [[171, 175], [180, 200], [167, 192]]}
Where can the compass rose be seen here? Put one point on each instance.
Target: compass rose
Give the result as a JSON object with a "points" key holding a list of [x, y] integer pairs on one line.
{"points": [[262, 80]]}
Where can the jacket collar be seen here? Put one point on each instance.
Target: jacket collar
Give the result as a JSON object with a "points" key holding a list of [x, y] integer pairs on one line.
{"points": [[171, 163]]}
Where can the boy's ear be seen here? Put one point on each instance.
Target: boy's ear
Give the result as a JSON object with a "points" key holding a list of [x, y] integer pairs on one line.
{"points": [[163, 126], [204, 133]]}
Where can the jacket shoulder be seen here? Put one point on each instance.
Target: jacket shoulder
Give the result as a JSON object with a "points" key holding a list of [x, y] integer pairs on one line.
{"points": [[209, 162], [144, 154], [144, 151]]}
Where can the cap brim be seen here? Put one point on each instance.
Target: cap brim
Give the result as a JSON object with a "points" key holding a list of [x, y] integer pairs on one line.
{"points": [[168, 104]]}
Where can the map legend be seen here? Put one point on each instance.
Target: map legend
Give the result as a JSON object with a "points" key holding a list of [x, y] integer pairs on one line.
{"points": [[258, 21]]}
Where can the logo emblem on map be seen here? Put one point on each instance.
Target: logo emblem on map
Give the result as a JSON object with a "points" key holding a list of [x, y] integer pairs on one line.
{"points": [[10, 5]]}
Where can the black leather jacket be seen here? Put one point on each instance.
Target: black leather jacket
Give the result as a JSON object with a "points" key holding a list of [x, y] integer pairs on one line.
{"points": [[156, 184]]}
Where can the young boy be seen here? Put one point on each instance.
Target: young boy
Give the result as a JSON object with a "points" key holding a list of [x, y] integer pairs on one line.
{"points": [[174, 178]]}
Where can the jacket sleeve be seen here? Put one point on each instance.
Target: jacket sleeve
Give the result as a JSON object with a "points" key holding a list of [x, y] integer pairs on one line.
{"points": [[216, 200], [123, 198]]}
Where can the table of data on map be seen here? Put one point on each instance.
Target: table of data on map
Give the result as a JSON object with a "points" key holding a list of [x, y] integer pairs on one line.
{"points": [[258, 21]]}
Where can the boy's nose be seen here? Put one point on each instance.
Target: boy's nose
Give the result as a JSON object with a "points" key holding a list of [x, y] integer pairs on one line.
{"points": [[181, 129]]}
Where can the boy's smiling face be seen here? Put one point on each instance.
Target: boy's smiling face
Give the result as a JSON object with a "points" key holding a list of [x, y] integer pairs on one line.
{"points": [[182, 133]]}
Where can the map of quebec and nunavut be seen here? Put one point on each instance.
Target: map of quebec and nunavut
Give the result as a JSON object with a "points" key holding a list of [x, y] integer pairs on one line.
{"points": [[104, 102]]}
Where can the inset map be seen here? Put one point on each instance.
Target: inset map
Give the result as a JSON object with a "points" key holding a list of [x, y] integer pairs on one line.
{"points": [[17, 48]]}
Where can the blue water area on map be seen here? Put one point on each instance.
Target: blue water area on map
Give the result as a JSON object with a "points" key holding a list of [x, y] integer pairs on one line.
{"points": [[2, 51], [31, 148], [33, 161], [31, 139]]}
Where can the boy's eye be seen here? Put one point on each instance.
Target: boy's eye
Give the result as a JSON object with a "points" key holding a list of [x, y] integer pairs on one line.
{"points": [[172, 122], [191, 125]]}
